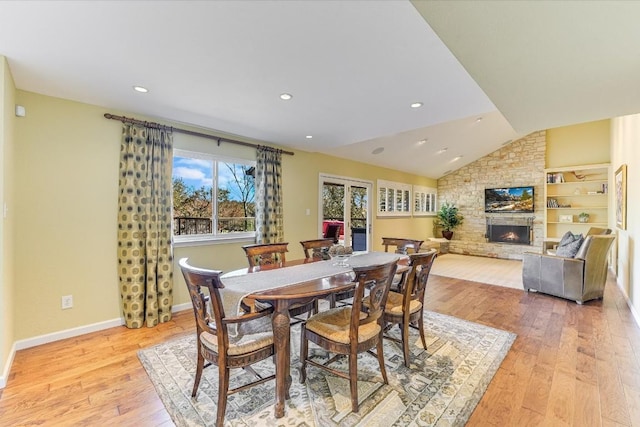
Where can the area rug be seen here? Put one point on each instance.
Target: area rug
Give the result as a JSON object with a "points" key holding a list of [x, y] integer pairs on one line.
{"points": [[441, 388]]}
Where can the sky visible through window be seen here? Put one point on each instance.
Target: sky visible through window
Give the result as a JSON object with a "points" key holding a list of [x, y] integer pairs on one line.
{"points": [[194, 172], [198, 173]]}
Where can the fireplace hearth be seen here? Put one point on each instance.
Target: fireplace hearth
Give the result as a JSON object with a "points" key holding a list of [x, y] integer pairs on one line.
{"points": [[516, 231]]}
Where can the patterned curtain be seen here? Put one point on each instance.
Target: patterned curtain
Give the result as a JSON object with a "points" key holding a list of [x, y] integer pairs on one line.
{"points": [[269, 222], [145, 258]]}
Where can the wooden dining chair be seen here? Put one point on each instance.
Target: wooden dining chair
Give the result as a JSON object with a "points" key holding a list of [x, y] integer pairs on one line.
{"points": [[316, 248], [260, 254], [214, 343], [274, 255], [350, 330], [404, 247], [406, 307]]}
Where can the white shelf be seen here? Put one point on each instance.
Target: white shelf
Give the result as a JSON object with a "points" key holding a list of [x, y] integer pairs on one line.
{"points": [[582, 178], [578, 223], [578, 208]]}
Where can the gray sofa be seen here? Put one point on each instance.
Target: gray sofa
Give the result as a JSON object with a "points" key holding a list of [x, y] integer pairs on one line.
{"points": [[580, 279]]}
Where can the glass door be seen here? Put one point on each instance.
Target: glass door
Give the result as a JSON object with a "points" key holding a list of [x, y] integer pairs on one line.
{"points": [[346, 211]]}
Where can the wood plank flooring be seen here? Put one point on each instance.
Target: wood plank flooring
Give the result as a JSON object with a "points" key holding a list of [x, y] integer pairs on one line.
{"points": [[571, 365]]}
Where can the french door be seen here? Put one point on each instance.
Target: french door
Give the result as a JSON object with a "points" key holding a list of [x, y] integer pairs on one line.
{"points": [[345, 211]]}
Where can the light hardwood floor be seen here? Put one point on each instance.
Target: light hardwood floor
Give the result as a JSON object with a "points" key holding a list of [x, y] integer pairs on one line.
{"points": [[570, 365]]}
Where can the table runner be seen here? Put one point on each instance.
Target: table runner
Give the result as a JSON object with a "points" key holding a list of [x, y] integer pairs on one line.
{"points": [[237, 287]]}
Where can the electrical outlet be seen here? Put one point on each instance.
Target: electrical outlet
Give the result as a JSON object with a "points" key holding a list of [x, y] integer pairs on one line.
{"points": [[67, 302]]}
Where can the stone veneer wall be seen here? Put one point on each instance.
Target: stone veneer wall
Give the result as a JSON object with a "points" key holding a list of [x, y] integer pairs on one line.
{"points": [[520, 163]]}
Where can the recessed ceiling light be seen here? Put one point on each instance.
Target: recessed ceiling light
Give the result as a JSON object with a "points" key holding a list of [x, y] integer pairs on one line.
{"points": [[309, 136], [378, 150], [479, 119], [286, 96], [455, 159], [442, 150], [140, 89], [416, 105], [422, 141]]}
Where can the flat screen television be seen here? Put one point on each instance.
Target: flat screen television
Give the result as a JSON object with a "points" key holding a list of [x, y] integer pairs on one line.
{"points": [[509, 200]]}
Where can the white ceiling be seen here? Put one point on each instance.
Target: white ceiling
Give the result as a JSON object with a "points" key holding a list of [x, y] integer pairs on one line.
{"points": [[353, 68]]}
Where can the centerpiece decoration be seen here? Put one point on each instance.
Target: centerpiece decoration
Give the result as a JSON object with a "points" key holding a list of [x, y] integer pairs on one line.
{"points": [[341, 254]]}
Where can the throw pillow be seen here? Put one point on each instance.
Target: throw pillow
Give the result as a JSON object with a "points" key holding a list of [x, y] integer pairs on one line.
{"points": [[568, 238], [569, 250]]}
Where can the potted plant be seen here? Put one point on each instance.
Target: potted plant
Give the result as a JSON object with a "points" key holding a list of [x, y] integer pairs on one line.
{"points": [[583, 217], [448, 218]]}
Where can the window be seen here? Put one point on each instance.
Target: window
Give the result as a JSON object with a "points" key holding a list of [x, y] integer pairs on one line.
{"points": [[213, 197], [424, 200], [394, 198]]}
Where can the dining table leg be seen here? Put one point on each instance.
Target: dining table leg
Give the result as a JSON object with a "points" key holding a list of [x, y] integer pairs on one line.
{"points": [[282, 341]]}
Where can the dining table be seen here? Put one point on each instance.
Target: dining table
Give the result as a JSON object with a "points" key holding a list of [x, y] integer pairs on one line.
{"points": [[294, 282]]}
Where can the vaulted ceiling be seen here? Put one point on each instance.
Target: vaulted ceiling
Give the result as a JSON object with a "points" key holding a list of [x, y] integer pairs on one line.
{"points": [[485, 72]]}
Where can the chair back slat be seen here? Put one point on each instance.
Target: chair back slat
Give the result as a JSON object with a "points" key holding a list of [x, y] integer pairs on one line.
{"points": [[376, 280], [198, 279], [416, 280]]}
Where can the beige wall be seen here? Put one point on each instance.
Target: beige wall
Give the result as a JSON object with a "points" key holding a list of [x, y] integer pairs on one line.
{"points": [[625, 134], [7, 284], [67, 174], [582, 144], [66, 198]]}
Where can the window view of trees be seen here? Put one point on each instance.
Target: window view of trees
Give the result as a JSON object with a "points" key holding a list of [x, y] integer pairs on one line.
{"points": [[333, 204], [194, 210]]}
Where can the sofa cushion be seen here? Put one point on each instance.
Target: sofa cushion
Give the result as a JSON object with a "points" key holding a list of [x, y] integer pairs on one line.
{"points": [[570, 249]]}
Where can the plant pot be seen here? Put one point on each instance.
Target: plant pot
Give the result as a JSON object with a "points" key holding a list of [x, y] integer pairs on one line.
{"points": [[447, 234]]}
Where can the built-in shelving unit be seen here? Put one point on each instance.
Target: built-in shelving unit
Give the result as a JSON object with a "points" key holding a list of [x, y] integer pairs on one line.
{"points": [[570, 191]]}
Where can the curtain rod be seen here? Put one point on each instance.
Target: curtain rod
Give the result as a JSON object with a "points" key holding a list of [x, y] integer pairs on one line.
{"points": [[124, 119]]}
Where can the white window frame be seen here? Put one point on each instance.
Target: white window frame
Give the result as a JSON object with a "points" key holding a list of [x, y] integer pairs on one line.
{"points": [[203, 239], [425, 201], [394, 198]]}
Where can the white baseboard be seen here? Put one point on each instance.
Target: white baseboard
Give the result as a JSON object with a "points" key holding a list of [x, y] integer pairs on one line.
{"points": [[67, 333], [7, 367], [634, 312]]}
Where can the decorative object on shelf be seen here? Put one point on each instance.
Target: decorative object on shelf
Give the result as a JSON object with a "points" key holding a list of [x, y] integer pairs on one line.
{"points": [[552, 203], [448, 218], [620, 180], [583, 217], [565, 218], [554, 178]]}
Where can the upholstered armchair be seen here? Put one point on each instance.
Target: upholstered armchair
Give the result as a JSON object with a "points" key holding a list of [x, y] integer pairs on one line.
{"points": [[581, 278]]}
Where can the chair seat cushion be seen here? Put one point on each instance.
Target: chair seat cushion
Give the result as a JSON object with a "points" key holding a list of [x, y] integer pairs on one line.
{"points": [[334, 325], [394, 304], [246, 344]]}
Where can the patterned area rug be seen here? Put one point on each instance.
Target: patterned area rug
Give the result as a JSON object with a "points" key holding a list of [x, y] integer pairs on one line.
{"points": [[442, 387]]}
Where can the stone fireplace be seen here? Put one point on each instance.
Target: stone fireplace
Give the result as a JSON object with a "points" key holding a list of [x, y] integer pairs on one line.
{"points": [[516, 164]]}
